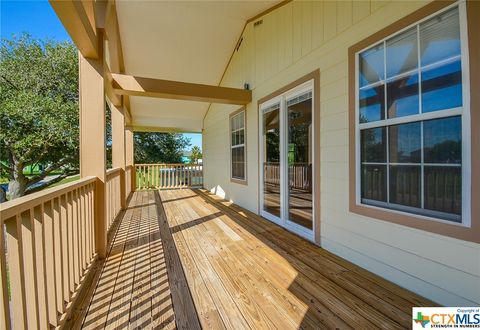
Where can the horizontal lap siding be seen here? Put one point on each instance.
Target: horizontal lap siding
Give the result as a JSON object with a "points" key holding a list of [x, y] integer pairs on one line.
{"points": [[292, 41]]}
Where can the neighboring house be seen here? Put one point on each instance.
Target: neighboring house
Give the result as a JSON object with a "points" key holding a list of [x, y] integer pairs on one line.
{"points": [[353, 124]]}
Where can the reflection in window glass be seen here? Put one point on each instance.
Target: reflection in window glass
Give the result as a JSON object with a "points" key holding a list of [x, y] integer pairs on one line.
{"points": [[440, 37], [443, 140], [271, 161], [442, 87], [405, 143], [371, 65], [373, 144], [402, 96], [402, 53], [237, 127], [374, 182], [300, 203], [443, 189], [405, 185], [372, 104]]}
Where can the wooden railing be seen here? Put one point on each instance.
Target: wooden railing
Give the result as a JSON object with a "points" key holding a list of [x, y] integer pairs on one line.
{"points": [[299, 174], [164, 176], [113, 195], [47, 249]]}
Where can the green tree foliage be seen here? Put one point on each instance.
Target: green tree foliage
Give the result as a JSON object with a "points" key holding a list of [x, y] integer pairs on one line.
{"points": [[159, 147], [195, 154], [38, 109]]}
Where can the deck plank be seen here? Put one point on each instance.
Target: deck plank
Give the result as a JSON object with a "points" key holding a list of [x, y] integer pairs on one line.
{"points": [[189, 259]]}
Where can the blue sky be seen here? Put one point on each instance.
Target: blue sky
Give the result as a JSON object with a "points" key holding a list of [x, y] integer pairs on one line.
{"points": [[39, 20]]}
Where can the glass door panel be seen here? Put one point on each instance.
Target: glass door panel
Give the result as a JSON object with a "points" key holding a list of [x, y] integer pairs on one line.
{"points": [[271, 161], [300, 160]]}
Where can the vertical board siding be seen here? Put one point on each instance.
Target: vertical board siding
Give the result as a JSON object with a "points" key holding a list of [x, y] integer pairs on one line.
{"points": [[296, 39], [43, 238]]}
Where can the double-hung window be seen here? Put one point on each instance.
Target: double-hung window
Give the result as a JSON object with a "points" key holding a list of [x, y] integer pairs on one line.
{"points": [[412, 128], [237, 146]]}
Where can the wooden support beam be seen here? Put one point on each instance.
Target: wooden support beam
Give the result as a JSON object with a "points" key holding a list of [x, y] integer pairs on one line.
{"points": [[140, 86], [118, 148], [77, 18], [92, 141]]}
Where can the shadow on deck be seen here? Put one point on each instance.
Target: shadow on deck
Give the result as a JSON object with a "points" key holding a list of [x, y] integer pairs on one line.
{"points": [[188, 259]]}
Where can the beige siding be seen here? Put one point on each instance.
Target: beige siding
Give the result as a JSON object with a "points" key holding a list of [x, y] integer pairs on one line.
{"points": [[291, 42]]}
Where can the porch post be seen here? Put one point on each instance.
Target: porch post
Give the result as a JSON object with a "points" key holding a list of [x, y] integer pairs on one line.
{"points": [[118, 147], [92, 140], [129, 152]]}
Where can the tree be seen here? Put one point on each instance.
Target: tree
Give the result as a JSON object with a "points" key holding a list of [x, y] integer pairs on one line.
{"points": [[195, 154], [38, 109], [159, 147]]}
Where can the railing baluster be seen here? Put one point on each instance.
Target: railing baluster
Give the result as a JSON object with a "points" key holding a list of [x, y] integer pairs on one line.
{"points": [[69, 200], [29, 268], [16, 272], [40, 266], [67, 242], [50, 269], [4, 300], [74, 221], [58, 257]]}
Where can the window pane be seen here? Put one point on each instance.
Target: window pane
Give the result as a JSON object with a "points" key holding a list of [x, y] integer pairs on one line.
{"points": [[241, 118], [374, 182], [443, 140], [371, 65], [241, 136], [405, 143], [402, 53], [443, 189], [372, 104], [402, 96], [238, 162], [440, 37], [373, 144], [405, 185], [442, 87]]}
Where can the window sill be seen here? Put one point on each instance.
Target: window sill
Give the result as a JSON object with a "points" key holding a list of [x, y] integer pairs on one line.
{"points": [[239, 181], [432, 225]]}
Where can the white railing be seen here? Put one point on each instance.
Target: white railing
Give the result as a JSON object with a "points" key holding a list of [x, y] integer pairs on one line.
{"points": [[165, 176]]}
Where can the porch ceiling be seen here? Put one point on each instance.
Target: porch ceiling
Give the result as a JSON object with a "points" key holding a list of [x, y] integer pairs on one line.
{"points": [[189, 41]]}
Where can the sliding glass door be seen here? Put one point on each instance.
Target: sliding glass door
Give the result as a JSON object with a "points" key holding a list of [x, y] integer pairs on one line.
{"points": [[287, 160]]}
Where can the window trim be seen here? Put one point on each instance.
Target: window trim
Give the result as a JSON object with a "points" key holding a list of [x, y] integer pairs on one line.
{"points": [[469, 229], [233, 114]]}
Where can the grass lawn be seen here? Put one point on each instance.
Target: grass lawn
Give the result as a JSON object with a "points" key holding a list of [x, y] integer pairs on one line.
{"points": [[66, 180]]}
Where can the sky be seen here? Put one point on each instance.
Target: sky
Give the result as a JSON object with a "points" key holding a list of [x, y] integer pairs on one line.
{"points": [[38, 19]]}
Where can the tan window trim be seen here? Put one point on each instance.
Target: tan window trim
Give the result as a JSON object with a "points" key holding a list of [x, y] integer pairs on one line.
{"points": [[471, 233], [235, 180]]}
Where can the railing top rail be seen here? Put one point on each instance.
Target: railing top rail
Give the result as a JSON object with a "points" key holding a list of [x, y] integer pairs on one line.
{"points": [[18, 205], [112, 171]]}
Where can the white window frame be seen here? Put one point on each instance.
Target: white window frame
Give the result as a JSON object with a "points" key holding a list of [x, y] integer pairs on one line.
{"points": [[241, 112], [281, 100], [463, 111]]}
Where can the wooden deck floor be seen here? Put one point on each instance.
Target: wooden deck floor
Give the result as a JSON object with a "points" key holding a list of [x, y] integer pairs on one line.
{"points": [[187, 259]]}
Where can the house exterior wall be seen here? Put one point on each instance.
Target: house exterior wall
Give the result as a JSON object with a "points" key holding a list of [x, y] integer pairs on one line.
{"points": [[292, 41]]}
